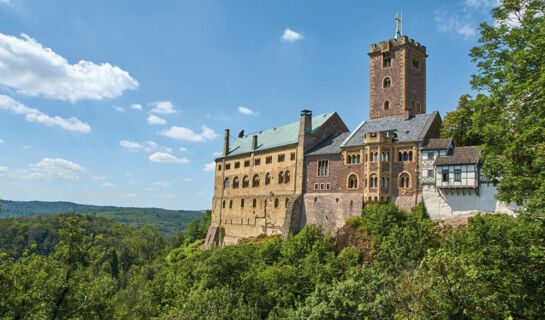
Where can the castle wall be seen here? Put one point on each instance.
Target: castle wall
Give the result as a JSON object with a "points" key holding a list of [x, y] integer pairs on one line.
{"points": [[330, 210], [445, 204]]}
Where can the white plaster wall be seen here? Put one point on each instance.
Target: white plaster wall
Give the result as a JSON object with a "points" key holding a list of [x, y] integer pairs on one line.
{"points": [[442, 205]]}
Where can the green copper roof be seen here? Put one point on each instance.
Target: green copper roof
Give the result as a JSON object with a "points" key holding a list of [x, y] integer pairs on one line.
{"points": [[275, 137]]}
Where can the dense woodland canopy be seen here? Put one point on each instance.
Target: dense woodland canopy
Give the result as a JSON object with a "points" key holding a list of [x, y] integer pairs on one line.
{"points": [[386, 264]]}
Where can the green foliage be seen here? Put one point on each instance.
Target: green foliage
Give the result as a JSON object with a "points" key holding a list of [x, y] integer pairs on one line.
{"points": [[458, 124], [168, 222], [511, 120], [491, 269]]}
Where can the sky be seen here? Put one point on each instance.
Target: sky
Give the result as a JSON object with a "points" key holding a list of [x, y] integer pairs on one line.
{"points": [[125, 102]]}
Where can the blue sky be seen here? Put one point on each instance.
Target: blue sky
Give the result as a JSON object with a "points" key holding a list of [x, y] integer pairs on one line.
{"points": [[125, 102]]}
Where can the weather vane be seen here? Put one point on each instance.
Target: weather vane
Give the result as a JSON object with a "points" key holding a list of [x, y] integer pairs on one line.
{"points": [[399, 25]]}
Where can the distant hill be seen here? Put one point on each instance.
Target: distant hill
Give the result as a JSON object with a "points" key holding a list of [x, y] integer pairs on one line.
{"points": [[168, 222]]}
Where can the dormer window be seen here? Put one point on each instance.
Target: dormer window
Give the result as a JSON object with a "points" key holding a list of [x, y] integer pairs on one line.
{"points": [[387, 82], [386, 60]]}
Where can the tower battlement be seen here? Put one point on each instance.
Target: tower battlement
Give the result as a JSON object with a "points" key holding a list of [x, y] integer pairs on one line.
{"points": [[392, 44]]}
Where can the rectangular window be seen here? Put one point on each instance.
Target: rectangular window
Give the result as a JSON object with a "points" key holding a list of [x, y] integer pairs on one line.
{"points": [[237, 164], [227, 166], [246, 163], [323, 168], [281, 157], [322, 186], [457, 175], [268, 160], [430, 155], [445, 175], [316, 186], [328, 186], [257, 161], [386, 60], [292, 156], [416, 63], [430, 173]]}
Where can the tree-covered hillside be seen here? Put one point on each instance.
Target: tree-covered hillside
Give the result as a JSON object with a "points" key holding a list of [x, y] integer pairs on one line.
{"points": [[168, 222]]}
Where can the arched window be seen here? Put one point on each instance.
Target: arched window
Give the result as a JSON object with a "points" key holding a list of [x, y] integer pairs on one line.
{"points": [[418, 107], [267, 179], [387, 82], [254, 203], [236, 183], [287, 177], [410, 156], [280, 177], [386, 105], [276, 203], [373, 181], [400, 156], [230, 204], [404, 180], [353, 182], [405, 156], [223, 205], [286, 203], [242, 203], [255, 181], [349, 159], [245, 182], [226, 184]]}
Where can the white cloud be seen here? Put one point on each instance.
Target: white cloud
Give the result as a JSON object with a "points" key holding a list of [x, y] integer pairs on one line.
{"points": [[163, 184], [107, 185], [34, 70], [3, 170], [128, 174], [119, 109], [486, 4], [55, 168], [162, 157], [152, 145], [291, 36], [181, 148], [188, 179], [248, 112], [462, 24], [35, 115], [101, 177], [166, 195], [163, 107], [136, 106], [217, 154], [182, 133], [1, 141], [210, 166], [133, 146], [155, 120], [27, 147]]}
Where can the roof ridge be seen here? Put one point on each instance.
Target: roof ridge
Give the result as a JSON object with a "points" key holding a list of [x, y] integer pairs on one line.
{"points": [[352, 133], [284, 125]]}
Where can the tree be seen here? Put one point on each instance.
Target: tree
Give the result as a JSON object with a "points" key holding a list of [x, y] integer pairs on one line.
{"points": [[510, 58], [458, 124]]}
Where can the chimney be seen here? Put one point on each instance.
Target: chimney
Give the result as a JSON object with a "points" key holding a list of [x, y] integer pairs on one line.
{"points": [[254, 142], [306, 121], [407, 114], [226, 143]]}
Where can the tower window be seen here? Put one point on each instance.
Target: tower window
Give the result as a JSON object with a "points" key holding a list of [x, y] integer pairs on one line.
{"points": [[416, 63], [386, 60], [418, 107], [387, 82], [386, 105]]}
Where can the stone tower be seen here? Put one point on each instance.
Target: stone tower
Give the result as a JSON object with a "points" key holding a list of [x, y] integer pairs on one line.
{"points": [[397, 78]]}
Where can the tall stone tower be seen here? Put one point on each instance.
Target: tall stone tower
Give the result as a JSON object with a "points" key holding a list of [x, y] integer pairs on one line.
{"points": [[397, 79]]}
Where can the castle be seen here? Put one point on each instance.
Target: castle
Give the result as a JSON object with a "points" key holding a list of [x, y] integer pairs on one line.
{"points": [[316, 171]]}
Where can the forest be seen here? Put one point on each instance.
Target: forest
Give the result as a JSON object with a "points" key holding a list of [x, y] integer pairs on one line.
{"points": [[385, 264]]}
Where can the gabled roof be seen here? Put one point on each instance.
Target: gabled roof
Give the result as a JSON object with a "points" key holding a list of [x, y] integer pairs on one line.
{"points": [[275, 137], [331, 145], [437, 143], [461, 155], [414, 129]]}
